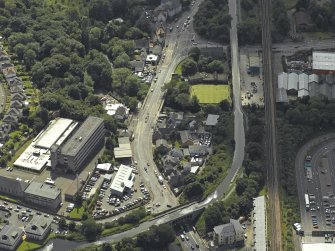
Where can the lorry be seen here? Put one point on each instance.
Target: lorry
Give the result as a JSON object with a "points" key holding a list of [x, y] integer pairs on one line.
{"points": [[160, 179]]}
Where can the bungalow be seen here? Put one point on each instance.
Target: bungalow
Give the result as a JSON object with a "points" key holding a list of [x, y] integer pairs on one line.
{"points": [[38, 228]]}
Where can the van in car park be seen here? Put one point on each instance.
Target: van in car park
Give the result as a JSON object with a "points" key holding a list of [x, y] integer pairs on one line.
{"points": [[182, 237]]}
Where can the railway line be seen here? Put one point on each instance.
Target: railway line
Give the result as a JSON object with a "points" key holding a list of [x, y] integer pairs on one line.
{"points": [[274, 230]]}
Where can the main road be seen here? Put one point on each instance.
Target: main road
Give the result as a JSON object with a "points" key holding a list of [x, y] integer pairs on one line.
{"points": [[274, 231]]}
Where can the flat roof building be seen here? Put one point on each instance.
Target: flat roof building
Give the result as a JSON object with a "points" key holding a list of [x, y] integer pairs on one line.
{"points": [[212, 120], [323, 62], [43, 195], [124, 149], [74, 153], [37, 154], [259, 216], [123, 180], [10, 237], [38, 228]]}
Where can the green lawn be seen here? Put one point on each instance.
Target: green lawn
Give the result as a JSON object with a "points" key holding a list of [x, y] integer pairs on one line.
{"points": [[27, 245], [211, 94], [178, 68], [77, 213]]}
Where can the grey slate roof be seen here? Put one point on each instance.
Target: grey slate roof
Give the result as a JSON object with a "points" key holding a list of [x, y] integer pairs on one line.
{"points": [[9, 235], [38, 225]]}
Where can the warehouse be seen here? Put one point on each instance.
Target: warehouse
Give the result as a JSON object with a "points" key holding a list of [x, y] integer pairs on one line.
{"points": [[323, 62], [123, 180], [76, 152], [124, 150], [37, 154]]}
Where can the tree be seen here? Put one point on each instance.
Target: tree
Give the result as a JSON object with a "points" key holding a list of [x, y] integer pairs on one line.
{"points": [[72, 226], [95, 38], [90, 229], [119, 77], [189, 67], [62, 223], [193, 190], [194, 53], [215, 66], [106, 247], [132, 85], [121, 60], [78, 200], [29, 58]]}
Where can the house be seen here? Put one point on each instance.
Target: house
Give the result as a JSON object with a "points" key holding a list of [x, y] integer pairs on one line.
{"points": [[175, 179], [186, 138], [212, 120], [177, 153], [162, 146], [169, 160], [137, 66], [156, 50], [16, 88], [17, 96], [3, 136], [9, 72], [14, 112], [156, 135], [15, 81], [142, 43], [231, 234], [15, 104], [5, 65], [121, 113], [38, 228], [10, 119], [10, 237], [198, 151]]}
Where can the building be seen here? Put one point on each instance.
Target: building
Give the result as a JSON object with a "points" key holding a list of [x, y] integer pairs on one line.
{"points": [[230, 234], [317, 246], [12, 187], [323, 62], [38, 228], [76, 152], [162, 146], [37, 154], [259, 224], [104, 167], [123, 180], [151, 59], [303, 85], [254, 65], [123, 151], [10, 237], [43, 195]]}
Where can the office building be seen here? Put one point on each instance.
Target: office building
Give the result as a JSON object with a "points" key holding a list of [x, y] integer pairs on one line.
{"points": [[43, 195], [77, 151], [10, 237], [38, 228]]}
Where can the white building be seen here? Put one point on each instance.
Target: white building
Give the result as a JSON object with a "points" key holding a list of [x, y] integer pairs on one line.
{"points": [[293, 80], [282, 80], [259, 223], [231, 233], [104, 167], [323, 62], [123, 180]]}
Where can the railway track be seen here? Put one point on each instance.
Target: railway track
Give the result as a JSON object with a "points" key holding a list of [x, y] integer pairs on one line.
{"points": [[274, 230]]}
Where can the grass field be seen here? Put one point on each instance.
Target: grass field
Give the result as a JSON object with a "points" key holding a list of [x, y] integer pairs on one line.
{"points": [[211, 94], [27, 245], [77, 213]]}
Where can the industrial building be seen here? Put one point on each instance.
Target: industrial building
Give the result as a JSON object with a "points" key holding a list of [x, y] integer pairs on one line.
{"points": [[75, 153], [123, 151], [10, 237], [37, 155], [43, 195], [123, 180], [323, 62], [38, 228]]}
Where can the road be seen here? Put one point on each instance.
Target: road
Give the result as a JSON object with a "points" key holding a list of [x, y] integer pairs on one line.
{"points": [[317, 148], [270, 130], [178, 42]]}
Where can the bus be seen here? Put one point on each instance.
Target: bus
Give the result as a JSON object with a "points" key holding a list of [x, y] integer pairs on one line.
{"points": [[307, 202]]}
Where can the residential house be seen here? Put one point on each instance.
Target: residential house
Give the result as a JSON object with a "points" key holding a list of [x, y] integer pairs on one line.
{"points": [[186, 138], [162, 146], [16, 88], [156, 135], [177, 153], [169, 160], [6, 64], [176, 179], [14, 112], [137, 66], [17, 96], [38, 228], [141, 44], [121, 113], [5, 127], [10, 237], [10, 119], [15, 104], [198, 151], [9, 73], [15, 81], [231, 234], [3, 136]]}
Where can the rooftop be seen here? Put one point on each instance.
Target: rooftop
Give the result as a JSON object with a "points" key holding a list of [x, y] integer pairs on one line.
{"points": [[122, 179], [260, 224], [43, 190], [38, 225], [324, 60], [9, 234], [124, 149], [81, 136], [212, 119], [318, 246]]}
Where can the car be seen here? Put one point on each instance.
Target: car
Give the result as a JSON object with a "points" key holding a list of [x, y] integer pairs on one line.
{"points": [[164, 186], [152, 89], [168, 205], [187, 238]]}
